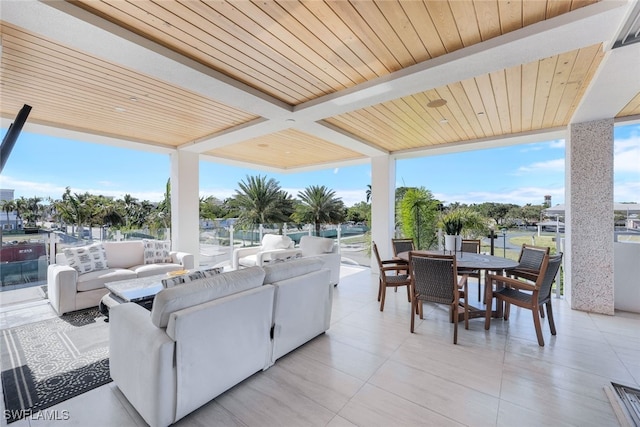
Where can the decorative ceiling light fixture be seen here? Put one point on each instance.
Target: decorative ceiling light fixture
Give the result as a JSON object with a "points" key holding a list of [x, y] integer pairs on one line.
{"points": [[437, 103]]}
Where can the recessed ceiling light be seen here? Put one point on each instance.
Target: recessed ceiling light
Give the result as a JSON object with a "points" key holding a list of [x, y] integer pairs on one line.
{"points": [[133, 99], [290, 120], [444, 121], [481, 113], [263, 145], [120, 109], [437, 103]]}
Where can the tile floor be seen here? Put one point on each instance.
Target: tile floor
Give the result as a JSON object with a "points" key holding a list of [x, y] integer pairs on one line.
{"points": [[368, 370]]}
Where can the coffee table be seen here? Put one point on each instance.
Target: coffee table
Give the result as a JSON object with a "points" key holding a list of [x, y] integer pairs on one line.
{"points": [[141, 291]]}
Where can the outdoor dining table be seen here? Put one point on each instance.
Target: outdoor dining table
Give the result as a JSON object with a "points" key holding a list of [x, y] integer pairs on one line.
{"points": [[473, 261]]}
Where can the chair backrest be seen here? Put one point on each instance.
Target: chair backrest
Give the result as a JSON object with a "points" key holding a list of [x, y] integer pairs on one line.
{"points": [[531, 257], [434, 277], [402, 245], [545, 280], [470, 245], [374, 248]]}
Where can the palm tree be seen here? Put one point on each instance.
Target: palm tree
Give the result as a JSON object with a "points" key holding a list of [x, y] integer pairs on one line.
{"points": [[418, 210], [74, 208], [319, 206], [8, 206], [34, 210], [368, 192], [21, 206], [260, 201]]}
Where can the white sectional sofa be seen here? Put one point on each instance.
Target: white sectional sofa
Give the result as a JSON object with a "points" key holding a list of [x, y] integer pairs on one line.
{"points": [[203, 337], [77, 279]]}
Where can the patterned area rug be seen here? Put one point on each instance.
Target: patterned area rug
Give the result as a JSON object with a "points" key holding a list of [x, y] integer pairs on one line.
{"points": [[48, 362]]}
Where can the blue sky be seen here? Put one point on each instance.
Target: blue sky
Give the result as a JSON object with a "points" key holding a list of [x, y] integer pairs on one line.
{"points": [[42, 166]]}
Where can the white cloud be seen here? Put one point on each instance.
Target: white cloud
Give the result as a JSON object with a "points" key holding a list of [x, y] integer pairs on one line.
{"points": [[627, 155], [554, 165]]}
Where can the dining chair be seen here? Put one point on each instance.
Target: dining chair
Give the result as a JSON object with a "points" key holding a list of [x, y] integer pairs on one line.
{"points": [[526, 294], [400, 245], [393, 274], [472, 246], [434, 278], [529, 262]]}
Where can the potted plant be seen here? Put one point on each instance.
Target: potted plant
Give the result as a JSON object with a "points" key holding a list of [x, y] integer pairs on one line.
{"points": [[453, 223]]}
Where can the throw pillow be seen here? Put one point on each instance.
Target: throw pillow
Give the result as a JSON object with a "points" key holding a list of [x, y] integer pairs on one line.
{"points": [[189, 277], [87, 258], [157, 251]]}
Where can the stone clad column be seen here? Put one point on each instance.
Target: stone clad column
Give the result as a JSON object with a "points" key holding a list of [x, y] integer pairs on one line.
{"points": [[589, 217], [185, 203]]}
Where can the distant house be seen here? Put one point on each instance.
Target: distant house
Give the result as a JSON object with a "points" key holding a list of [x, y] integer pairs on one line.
{"points": [[11, 224]]}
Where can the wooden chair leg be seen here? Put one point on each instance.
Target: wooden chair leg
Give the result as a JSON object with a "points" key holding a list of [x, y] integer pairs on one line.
{"points": [[487, 316], [454, 309], [379, 289], [408, 294], [538, 326], [506, 310], [552, 324], [384, 294], [414, 308]]}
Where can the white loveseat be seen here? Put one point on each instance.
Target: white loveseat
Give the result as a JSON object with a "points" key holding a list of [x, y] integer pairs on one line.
{"points": [[270, 247], [203, 337], [77, 279]]}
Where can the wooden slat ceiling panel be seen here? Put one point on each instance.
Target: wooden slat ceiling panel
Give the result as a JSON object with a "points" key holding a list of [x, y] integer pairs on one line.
{"points": [[525, 98], [82, 92], [286, 149], [632, 108], [296, 51]]}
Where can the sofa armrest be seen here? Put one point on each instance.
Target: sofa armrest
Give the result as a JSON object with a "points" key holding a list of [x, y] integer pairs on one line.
{"points": [[141, 360], [185, 259], [62, 287], [243, 252], [332, 262]]}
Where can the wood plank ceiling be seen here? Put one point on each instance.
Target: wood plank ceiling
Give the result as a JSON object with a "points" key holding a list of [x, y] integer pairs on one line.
{"points": [[299, 53]]}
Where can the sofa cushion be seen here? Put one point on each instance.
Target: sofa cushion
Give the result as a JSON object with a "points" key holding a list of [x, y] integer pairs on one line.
{"points": [[202, 290], [146, 270], [275, 241], [97, 279], [313, 245], [124, 254], [157, 251], [87, 258], [280, 271], [170, 282]]}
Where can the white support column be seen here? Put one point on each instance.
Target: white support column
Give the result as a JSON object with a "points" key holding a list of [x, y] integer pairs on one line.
{"points": [[383, 188], [588, 279], [185, 203]]}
